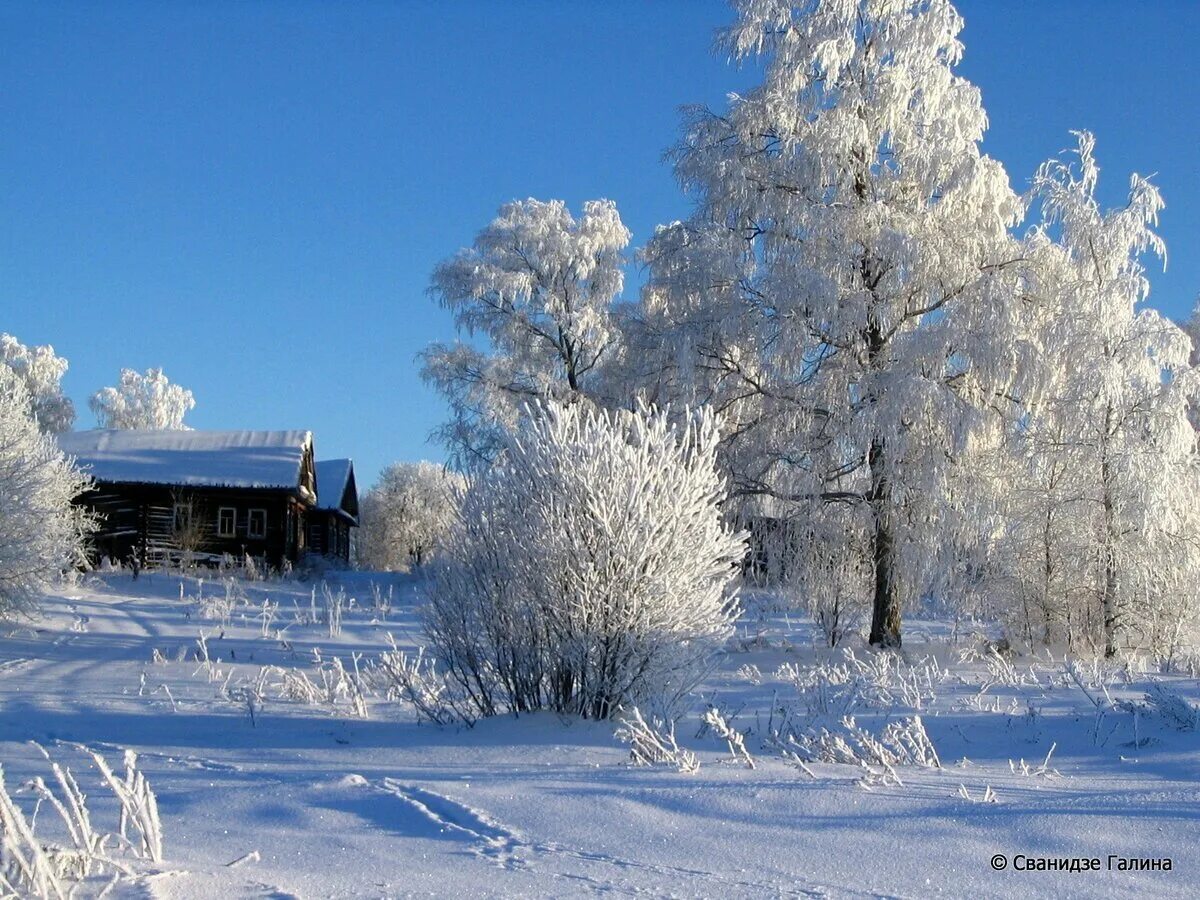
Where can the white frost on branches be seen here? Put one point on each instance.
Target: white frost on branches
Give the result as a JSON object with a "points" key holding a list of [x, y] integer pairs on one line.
{"points": [[1103, 519], [142, 401], [590, 567], [842, 291], [538, 285], [407, 514], [41, 531], [41, 371]]}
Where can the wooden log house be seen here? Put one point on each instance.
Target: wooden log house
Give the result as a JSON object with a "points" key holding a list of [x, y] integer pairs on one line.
{"points": [[336, 510], [200, 495]]}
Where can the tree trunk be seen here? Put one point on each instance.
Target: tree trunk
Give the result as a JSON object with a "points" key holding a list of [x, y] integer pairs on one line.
{"points": [[1109, 597], [885, 616]]}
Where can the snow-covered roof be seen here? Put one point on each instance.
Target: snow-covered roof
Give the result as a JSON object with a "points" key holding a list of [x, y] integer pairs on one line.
{"points": [[336, 491], [242, 459], [332, 476]]}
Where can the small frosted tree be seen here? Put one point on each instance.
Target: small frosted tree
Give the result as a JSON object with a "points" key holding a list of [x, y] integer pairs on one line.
{"points": [[1112, 467], [142, 401], [41, 530], [405, 517], [538, 285], [589, 567], [41, 371]]}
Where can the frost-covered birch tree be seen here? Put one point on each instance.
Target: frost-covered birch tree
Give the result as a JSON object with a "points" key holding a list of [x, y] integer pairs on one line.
{"points": [[537, 286], [41, 531], [140, 400], [842, 292], [1111, 466], [407, 514], [41, 371]]}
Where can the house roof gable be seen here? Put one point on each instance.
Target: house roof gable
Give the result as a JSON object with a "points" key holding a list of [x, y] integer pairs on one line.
{"points": [[336, 488]]}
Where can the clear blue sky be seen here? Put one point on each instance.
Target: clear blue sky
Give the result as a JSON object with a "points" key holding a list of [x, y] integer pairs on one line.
{"points": [[252, 195]]}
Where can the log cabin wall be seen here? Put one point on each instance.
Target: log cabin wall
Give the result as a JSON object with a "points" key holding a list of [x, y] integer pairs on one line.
{"points": [[149, 524]]}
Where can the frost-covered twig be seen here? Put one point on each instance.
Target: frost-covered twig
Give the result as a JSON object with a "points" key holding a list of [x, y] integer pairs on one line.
{"points": [[652, 744], [731, 736]]}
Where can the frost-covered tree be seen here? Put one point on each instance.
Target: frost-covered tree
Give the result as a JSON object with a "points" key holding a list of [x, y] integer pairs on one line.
{"points": [[41, 530], [537, 286], [842, 292], [590, 566], [1104, 511], [41, 371], [1191, 327], [406, 515], [142, 401]]}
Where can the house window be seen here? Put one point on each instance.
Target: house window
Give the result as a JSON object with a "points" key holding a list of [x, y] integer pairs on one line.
{"points": [[257, 524], [226, 521], [182, 520]]}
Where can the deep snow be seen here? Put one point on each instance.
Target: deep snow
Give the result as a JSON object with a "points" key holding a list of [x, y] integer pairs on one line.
{"points": [[335, 806]]}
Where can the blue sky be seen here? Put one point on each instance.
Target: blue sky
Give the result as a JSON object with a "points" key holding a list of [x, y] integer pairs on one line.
{"points": [[252, 195]]}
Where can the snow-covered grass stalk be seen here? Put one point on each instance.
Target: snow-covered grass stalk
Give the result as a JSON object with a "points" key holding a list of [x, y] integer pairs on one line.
{"points": [[26, 868], [34, 866], [590, 568], [1173, 707], [901, 743], [834, 689], [381, 603], [729, 734], [333, 687], [653, 743], [334, 603], [139, 806], [988, 795], [266, 616]]}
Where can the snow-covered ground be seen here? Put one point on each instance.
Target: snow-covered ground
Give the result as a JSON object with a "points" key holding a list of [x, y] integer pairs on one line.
{"points": [[312, 800]]}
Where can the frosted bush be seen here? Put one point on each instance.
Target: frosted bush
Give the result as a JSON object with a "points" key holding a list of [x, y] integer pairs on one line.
{"points": [[590, 568], [41, 530]]}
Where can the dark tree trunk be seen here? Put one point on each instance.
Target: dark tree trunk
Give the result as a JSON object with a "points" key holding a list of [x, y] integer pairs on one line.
{"points": [[1109, 601], [885, 616]]}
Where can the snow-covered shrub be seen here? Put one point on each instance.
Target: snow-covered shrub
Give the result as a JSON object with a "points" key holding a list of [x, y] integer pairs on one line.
{"points": [[415, 679], [41, 530], [590, 568], [653, 743]]}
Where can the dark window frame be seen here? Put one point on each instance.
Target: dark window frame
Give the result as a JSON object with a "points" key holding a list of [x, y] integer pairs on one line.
{"points": [[251, 533]]}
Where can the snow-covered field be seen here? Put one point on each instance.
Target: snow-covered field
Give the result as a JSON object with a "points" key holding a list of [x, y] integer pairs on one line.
{"points": [[309, 799]]}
